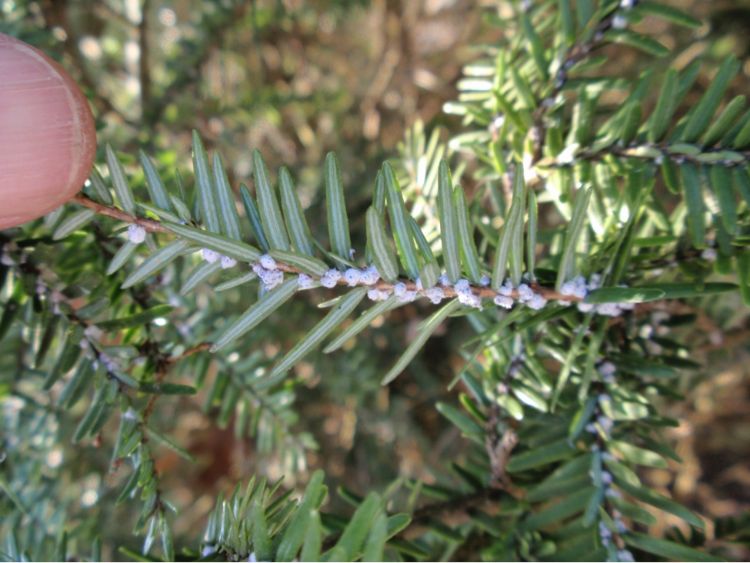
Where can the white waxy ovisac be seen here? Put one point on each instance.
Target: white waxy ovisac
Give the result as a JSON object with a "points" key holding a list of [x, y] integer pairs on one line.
{"points": [[375, 294], [330, 278], [407, 296], [268, 262], [399, 289], [370, 275], [209, 255], [435, 294], [462, 286], [525, 293], [537, 302], [352, 277], [227, 262], [503, 301], [305, 282], [136, 234]]}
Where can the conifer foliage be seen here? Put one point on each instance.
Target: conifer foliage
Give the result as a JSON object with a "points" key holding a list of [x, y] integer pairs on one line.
{"points": [[561, 386]]}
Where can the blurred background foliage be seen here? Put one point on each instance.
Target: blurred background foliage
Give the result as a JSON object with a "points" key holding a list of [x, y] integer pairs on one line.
{"points": [[297, 79]]}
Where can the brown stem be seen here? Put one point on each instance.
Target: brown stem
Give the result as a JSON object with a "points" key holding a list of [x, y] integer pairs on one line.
{"points": [[499, 447], [148, 224], [202, 347]]}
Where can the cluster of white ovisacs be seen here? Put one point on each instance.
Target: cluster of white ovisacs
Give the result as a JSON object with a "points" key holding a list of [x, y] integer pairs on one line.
{"points": [[268, 272], [467, 294], [579, 287], [212, 256], [137, 235], [604, 424]]}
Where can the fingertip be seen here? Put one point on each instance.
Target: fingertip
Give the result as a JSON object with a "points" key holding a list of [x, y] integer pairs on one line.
{"points": [[47, 134]]}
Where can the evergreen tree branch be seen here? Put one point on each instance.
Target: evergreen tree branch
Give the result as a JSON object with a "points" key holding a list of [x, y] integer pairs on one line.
{"points": [[153, 226], [574, 55], [268, 407], [656, 153], [124, 389]]}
